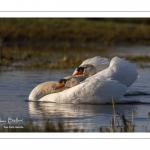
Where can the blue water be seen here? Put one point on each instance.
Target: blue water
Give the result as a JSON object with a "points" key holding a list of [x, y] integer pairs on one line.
{"points": [[15, 87]]}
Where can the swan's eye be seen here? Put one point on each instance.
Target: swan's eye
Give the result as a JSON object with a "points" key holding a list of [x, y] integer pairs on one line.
{"points": [[61, 84], [80, 69]]}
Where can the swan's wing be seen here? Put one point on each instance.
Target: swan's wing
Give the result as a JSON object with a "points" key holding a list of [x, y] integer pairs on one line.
{"points": [[124, 71], [101, 91], [95, 92], [121, 70], [100, 63]]}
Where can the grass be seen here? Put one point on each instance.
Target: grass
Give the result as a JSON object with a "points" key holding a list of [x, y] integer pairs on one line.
{"points": [[105, 31], [115, 126]]}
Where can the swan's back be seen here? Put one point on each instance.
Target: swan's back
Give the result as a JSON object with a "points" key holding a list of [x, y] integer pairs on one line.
{"points": [[95, 91], [121, 70]]}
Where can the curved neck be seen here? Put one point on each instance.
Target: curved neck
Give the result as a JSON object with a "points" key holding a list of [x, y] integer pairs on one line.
{"points": [[59, 90], [81, 77]]}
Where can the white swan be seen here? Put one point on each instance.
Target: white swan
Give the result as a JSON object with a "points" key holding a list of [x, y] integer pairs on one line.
{"points": [[101, 87], [53, 87], [94, 91], [119, 69], [91, 66]]}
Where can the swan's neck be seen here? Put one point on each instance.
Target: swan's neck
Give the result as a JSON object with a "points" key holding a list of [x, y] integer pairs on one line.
{"points": [[59, 90], [81, 77]]}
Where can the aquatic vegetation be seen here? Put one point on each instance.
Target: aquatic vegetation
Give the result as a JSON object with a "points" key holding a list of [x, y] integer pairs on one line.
{"points": [[28, 57], [141, 61], [49, 126], [47, 58], [119, 123], [124, 126]]}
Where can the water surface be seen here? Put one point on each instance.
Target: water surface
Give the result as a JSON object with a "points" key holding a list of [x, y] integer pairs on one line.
{"points": [[16, 86]]}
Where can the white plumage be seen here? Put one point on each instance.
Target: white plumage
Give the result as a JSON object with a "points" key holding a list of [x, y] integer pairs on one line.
{"points": [[100, 63], [95, 91], [119, 69], [100, 88]]}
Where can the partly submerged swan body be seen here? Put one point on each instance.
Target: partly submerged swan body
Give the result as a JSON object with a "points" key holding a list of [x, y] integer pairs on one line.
{"points": [[101, 87], [53, 87], [95, 91]]}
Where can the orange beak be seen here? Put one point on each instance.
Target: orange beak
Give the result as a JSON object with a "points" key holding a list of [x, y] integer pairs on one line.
{"points": [[78, 73], [59, 85]]}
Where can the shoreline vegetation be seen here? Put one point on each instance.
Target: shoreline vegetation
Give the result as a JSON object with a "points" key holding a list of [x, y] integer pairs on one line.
{"points": [[104, 31], [30, 58], [60, 43]]}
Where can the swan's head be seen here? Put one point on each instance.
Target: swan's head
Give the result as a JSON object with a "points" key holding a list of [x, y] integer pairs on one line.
{"points": [[67, 82], [86, 70]]}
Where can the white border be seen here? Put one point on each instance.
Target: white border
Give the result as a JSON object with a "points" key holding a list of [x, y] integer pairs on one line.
{"points": [[78, 144], [74, 5], [97, 135], [78, 8], [74, 8], [73, 14]]}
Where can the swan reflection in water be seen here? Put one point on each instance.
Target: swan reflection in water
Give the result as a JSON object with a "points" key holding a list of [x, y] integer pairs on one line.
{"points": [[81, 116]]}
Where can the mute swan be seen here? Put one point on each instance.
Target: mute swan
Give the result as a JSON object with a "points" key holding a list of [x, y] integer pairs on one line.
{"points": [[94, 91], [91, 66], [53, 87], [100, 87], [119, 69]]}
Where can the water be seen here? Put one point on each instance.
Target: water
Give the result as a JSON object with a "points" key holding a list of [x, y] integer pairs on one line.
{"points": [[15, 87]]}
